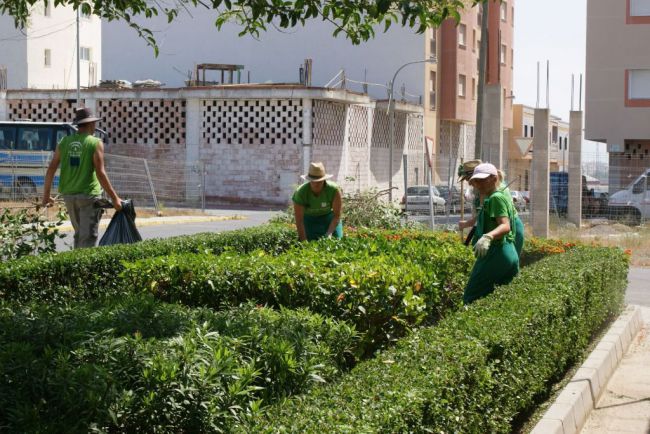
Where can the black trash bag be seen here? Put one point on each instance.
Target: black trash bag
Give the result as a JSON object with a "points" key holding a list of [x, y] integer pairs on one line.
{"points": [[121, 229]]}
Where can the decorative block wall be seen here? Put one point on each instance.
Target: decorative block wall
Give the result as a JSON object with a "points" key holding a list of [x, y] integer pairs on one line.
{"points": [[41, 110]]}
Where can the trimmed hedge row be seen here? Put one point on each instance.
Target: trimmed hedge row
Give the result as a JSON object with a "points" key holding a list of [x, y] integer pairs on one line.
{"points": [[91, 273], [143, 366], [478, 369], [382, 286]]}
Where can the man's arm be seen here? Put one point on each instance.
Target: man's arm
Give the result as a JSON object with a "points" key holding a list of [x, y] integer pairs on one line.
{"points": [[100, 170], [49, 177], [299, 213]]}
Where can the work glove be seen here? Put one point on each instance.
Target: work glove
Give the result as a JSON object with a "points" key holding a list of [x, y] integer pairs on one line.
{"points": [[482, 246]]}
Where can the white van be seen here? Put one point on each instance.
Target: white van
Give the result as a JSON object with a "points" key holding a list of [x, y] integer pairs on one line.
{"points": [[632, 204]]}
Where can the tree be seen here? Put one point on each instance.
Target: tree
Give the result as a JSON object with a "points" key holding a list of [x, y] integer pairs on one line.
{"points": [[356, 19]]}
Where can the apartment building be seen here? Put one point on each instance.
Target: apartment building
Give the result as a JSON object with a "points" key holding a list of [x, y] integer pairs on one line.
{"points": [[43, 56], [452, 83], [520, 146], [618, 85]]}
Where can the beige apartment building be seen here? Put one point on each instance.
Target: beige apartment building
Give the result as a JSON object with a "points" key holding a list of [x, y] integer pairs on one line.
{"points": [[618, 85], [520, 146], [451, 85]]}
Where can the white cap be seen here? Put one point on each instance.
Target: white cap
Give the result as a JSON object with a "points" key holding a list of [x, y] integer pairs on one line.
{"points": [[484, 170]]}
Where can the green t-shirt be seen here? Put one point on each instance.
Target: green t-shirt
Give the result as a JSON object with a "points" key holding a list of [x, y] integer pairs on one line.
{"points": [[316, 205], [504, 188], [77, 168], [498, 205]]}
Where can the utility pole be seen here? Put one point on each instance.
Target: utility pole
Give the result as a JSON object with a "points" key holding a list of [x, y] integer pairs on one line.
{"points": [[78, 64], [478, 145]]}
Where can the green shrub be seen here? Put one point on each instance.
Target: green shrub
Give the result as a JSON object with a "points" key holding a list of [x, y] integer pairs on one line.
{"points": [[382, 285], [27, 232], [143, 366], [477, 370], [92, 273]]}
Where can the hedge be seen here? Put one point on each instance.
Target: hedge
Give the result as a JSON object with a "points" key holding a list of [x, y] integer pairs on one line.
{"points": [[383, 286], [478, 369], [143, 366], [91, 273]]}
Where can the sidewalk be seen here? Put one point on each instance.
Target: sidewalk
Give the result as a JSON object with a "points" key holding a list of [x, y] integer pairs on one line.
{"points": [[624, 406]]}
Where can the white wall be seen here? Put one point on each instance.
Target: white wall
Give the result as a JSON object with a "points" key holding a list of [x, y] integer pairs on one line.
{"points": [[25, 52], [276, 56], [13, 53]]}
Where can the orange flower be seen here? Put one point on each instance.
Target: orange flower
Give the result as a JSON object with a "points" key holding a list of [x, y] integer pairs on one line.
{"points": [[628, 252], [340, 297]]}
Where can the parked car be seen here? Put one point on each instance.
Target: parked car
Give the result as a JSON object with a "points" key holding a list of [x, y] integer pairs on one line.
{"points": [[453, 202], [519, 200], [417, 199]]}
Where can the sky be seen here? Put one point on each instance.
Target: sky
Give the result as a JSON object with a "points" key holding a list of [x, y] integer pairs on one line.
{"points": [[553, 30]]}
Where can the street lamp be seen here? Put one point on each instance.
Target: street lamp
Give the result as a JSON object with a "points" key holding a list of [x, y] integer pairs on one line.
{"points": [[391, 116]]}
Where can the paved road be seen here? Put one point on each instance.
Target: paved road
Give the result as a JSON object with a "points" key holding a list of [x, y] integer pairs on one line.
{"points": [[251, 218], [638, 290]]}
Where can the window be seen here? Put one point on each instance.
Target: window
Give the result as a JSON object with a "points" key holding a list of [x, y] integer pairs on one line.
{"points": [[47, 58], [432, 90], [433, 42], [525, 130], [504, 50], [474, 40], [512, 16], [462, 35], [7, 137], [639, 84], [512, 58], [84, 53], [504, 11], [48, 9], [640, 8], [532, 131], [554, 134], [473, 88], [462, 83], [34, 139]]}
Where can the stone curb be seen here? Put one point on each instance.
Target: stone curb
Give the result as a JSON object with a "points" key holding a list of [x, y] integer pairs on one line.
{"points": [[152, 221], [571, 409]]}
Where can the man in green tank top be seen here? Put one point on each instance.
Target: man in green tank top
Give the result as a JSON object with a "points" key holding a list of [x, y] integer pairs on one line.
{"points": [[81, 157]]}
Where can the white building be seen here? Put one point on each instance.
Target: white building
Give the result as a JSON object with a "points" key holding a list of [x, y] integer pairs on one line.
{"points": [[43, 56]]}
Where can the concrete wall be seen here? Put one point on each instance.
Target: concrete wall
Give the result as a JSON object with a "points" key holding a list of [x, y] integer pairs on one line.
{"points": [[13, 53], [613, 47], [275, 56], [249, 139]]}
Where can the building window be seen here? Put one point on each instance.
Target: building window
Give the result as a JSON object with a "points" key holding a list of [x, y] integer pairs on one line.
{"points": [[473, 88], [47, 58], [474, 40], [554, 134], [512, 16], [525, 130], [504, 11], [432, 90], [504, 50], [638, 12], [48, 9], [532, 131], [639, 84], [462, 35], [84, 53], [433, 43], [512, 58], [462, 83]]}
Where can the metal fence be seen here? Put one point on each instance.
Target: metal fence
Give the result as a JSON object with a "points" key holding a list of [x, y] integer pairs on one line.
{"points": [[151, 183]]}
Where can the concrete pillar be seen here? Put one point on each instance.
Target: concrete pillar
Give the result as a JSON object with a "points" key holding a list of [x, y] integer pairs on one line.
{"points": [[492, 147], [4, 107], [540, 179], [307, 133], [575, 168], [193, 148], [344, 167]]}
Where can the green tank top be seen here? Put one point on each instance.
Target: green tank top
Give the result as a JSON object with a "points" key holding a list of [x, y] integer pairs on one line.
{"points": [[77, 168], [316, 205]]}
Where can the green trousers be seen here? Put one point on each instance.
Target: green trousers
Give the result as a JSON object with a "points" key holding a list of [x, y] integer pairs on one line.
{"points": [[316, 226], [498, 267], [519, 235]]}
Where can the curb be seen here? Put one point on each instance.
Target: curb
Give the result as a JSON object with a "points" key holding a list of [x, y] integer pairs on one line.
{"points": [[152, 221], [571, 409]]}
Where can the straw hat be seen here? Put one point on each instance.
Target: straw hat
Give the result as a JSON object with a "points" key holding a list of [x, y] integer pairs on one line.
{"points": [[466, 169], [316, 173]]}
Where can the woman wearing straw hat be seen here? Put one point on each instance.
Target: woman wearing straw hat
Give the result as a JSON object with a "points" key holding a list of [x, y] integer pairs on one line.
{"points": [[497, 262], [317, 205]]}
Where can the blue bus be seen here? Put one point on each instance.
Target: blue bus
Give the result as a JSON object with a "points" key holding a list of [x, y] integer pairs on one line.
{"points": [[26, 149]]}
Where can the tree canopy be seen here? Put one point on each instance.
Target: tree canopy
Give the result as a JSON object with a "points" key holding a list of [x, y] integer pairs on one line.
{"points": [[356, 19]]}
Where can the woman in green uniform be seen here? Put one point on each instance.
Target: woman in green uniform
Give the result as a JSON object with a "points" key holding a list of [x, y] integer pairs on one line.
{"points": [[317, 206], [497, 262]]}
